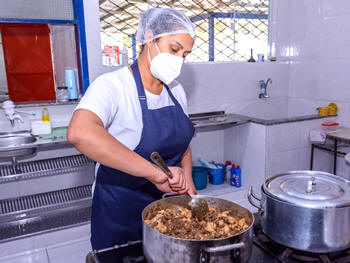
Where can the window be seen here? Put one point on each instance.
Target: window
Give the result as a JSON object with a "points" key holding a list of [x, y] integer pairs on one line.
{"points": [[226, 30]]}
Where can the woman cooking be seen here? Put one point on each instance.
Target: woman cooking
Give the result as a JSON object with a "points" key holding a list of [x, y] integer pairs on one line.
{"points": [[126, 115]]}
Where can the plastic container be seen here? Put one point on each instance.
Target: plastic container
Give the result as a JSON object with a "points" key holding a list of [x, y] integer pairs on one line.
{"points": [[228, 172], [332, 109], [39, 128], [62, 94], [238, 177], [322, 111], [233, 175], [200, 177], [330, 126], [45, 115], [216, 176], [71, 83]]}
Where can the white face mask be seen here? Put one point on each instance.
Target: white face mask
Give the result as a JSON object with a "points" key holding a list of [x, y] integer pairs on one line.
{"points": [[165, 66]]}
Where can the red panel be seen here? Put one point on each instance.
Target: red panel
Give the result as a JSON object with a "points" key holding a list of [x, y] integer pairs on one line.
{"points": [[28, 62]]}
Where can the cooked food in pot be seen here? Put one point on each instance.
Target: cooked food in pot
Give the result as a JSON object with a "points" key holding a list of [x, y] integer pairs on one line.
{"points": [[179, 223]]}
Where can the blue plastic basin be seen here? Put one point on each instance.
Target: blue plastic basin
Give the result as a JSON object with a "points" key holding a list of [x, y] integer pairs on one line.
{"points": [[217, 176], [200, 177]]}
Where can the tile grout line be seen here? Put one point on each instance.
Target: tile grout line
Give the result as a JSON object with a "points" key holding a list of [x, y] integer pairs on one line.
{"points": [[47, 254]]}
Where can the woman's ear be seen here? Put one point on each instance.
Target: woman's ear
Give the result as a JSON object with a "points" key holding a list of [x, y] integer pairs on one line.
{"points": [[148, 37]]}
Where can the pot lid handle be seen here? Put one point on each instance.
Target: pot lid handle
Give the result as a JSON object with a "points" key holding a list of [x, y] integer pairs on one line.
{"points": [[311, 185]]}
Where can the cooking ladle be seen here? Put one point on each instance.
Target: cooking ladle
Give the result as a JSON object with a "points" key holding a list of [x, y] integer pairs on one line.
{"points": [[199, 206]]}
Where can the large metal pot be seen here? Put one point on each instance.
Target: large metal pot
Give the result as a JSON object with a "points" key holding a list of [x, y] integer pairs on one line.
{"points": [[160, 248], [306, 210]]}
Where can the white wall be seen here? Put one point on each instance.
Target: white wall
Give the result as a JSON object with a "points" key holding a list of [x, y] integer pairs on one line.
{"points": [[319, 62], [231, 86]]}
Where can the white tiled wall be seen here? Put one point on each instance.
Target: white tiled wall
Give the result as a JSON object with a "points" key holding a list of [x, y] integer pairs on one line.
{"points": [[208, 144], [289, 148], [233, 87], [319, 67], [245, 145]]}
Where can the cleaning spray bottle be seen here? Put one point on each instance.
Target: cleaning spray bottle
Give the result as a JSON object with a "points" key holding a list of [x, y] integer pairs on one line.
{"points": [[233, 175], [238, 177]]}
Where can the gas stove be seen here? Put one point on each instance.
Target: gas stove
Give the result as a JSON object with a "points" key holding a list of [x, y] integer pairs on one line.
{"points": [[264, 251], [132, 253], [288, 255]]}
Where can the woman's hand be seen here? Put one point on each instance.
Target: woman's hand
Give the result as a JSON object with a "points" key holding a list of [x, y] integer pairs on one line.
{"points": [[192, 189], [176, 184], [178, 181], [160, 180]]}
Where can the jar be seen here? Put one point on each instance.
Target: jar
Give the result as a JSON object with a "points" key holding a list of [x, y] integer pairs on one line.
{"points": [[62, 94]]}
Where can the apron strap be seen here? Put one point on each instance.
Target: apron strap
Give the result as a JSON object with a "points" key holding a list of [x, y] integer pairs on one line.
{"points": [[177, 104], [140, 89]]}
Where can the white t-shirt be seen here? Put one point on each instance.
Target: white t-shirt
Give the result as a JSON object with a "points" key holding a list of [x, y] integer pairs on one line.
{"points": [[114, 99]]}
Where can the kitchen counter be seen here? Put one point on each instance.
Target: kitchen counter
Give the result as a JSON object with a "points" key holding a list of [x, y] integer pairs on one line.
{"points": [[217, 119], [40, 142], [220, 189]]}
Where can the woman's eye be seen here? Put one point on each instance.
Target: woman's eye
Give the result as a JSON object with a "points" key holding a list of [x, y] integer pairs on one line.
{"points": [[174, 50]]}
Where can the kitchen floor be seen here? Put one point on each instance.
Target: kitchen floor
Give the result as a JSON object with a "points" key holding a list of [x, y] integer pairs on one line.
{"points": [[65, 246]]}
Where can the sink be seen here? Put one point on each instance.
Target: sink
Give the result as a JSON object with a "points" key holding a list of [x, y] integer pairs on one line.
{"points": [[10, 140]]}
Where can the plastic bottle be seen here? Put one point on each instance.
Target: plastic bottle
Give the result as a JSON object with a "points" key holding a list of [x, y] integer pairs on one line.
{"points": [[238, 177], [233, 176], [125, 56], [45, 115], [251, 56], [71, 83], [228, 171]]}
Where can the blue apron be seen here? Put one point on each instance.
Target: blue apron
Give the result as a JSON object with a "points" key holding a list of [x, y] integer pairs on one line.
{"points": [[119, 198]]}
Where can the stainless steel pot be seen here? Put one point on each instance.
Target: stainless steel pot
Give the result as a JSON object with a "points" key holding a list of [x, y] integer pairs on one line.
{"points": [[306, 210], [160, 248]]}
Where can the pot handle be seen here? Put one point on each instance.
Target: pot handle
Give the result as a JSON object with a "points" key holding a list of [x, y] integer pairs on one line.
{"points": [[168, 195], [224, 248], [251, 195], [204, 256]]}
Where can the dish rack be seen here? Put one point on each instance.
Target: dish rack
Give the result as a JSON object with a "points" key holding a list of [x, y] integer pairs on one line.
{"points": [[45, 195]]}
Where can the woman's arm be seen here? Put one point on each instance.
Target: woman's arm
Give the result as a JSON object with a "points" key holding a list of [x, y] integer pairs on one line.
{"points": [[186, 164], [87, 133]]}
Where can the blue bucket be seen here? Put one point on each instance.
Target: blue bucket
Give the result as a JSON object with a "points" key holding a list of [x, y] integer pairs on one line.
{"points": [[217, 175], [200, 177]]}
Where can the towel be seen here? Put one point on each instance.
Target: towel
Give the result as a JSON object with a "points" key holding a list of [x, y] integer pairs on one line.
{"points": [[59, 132]]}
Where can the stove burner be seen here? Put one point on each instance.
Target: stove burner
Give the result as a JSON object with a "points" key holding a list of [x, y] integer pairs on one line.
{"points": [[290, 255]]}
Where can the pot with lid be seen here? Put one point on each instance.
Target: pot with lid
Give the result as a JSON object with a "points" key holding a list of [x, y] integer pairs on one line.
{"points": [[306, 210]]}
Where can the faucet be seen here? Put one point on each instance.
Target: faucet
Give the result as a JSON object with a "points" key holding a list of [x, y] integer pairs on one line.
{"points": [[15, 117], [263, 88], [9, 108]]}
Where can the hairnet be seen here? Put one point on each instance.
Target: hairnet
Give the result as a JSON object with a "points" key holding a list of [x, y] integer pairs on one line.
{"points": [[163, 22]]}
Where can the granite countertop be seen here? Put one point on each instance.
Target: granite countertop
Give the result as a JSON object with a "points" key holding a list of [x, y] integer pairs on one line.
{"points": [[341, 134], [275, 121]]}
